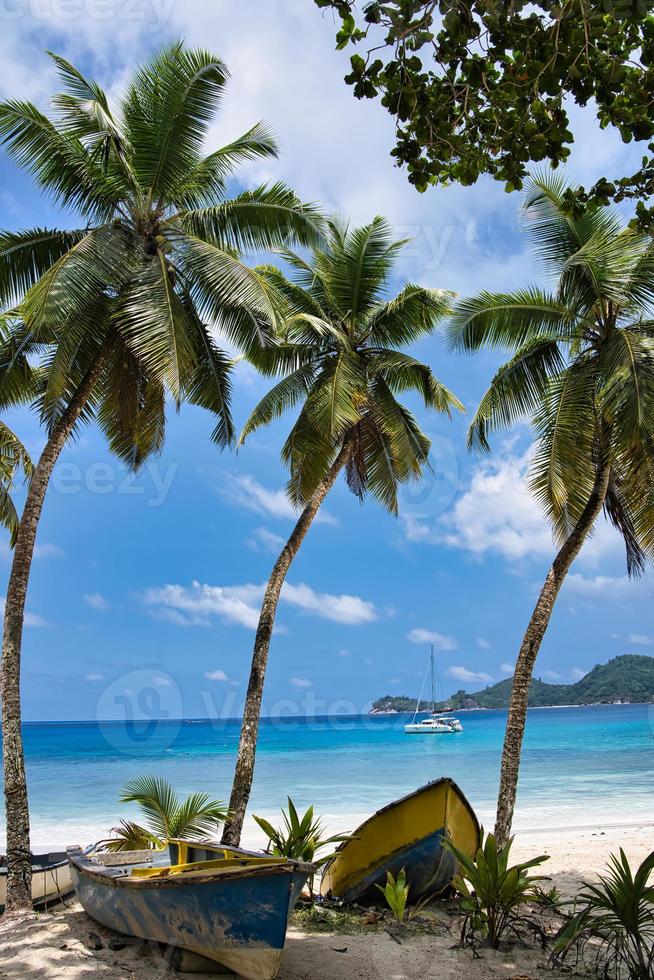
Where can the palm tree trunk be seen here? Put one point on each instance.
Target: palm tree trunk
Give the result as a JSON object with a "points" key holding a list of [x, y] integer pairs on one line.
{"points": [[540, 618], [19, 869], [247, 745]]}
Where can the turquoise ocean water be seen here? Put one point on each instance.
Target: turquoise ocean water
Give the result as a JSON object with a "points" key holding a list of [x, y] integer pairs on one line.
{"points": [[581, 766]]}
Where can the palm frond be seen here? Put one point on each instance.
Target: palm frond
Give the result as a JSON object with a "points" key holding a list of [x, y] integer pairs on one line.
{"points": [[25, 256], [517, 390], [167, 111], [508, 320], [256, 220], [407, 317]]}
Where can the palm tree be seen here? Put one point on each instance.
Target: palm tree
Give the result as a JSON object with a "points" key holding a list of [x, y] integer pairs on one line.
{"points": [[342, 366], [119, 308], [582, 373], [168, 818]]}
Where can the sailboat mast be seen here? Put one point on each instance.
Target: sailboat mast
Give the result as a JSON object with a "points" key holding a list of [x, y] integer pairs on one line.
{"points": [[433, 681]]}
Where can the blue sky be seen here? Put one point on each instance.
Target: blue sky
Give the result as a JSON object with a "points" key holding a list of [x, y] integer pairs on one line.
{"points": [[152, 585]]}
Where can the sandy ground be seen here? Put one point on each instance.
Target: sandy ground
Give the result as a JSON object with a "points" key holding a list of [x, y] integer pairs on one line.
{"points": [[56, 945]]}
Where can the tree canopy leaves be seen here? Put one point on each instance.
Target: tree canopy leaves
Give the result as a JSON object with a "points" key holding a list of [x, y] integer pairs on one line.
{"points": [[340, 364], [484, 86]]}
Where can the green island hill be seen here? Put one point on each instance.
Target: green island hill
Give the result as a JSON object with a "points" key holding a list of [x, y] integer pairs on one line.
{"points": [[628, 679]]}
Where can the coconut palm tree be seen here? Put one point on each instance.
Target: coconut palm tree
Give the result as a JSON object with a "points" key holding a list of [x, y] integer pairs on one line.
{"points": [[582, 372], [118, 309], [343, 369], [168, 818]]}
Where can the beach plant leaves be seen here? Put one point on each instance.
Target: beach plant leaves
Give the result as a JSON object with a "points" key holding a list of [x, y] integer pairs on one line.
{"points": [[396, 893], [485, 87], [613, 921], [492, 892], [300, 837], [167, 817]]}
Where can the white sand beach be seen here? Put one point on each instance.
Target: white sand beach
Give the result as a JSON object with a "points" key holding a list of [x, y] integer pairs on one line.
{"points": [[47, 946]]}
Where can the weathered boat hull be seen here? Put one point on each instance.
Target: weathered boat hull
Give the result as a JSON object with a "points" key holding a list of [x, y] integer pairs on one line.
{"points": [[236, 916], [51, 879], [407, 834]]}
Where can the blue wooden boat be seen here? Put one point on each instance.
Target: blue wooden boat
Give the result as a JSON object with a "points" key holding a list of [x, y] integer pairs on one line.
{"points": [[225, 904], [409, 834]]}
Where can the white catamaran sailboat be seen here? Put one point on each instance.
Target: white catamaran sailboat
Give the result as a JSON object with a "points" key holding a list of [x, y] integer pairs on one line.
{"points": [[437, 724]]}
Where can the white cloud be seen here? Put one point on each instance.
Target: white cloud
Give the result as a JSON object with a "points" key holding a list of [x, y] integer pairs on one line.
{"points": [[264, 540], [216, 675], [439, 640], [498, 515], [195, 606], [246, 492], [641, 639], [483, 643], [601, 586], [162, 681], [344, 653], [469, 676], [301, 682], [577, 673], [349, 609], [507, 668], [94, 678], [48, 550], [45, 550], [97, 601]]}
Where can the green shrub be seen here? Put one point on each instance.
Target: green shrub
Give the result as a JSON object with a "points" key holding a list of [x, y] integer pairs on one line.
{"points": [[396, 893], [614, 919], [300, 837], [491, 891]]}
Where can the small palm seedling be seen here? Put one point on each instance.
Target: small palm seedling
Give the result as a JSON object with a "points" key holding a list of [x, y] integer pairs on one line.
{"points": [[300, 837], [396, 893], [168, 817], [614, 919], [492, 893]]}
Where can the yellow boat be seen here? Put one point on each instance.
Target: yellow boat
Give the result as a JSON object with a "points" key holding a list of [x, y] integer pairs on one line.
{"points": [[407, 834]]}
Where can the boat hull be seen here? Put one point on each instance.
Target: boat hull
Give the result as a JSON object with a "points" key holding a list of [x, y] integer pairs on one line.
{"points": [[432, 730], [237, 918], [407, 834], [51, 879]]}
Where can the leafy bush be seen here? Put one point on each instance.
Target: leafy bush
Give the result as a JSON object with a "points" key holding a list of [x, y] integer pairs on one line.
{"points": [[299, 838], [491, 891], [396, 893], [168, 817], [615, 919]]}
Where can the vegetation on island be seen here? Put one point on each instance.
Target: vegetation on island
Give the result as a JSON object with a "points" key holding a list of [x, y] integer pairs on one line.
{"points": [[484, 87], [625, 679]]}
